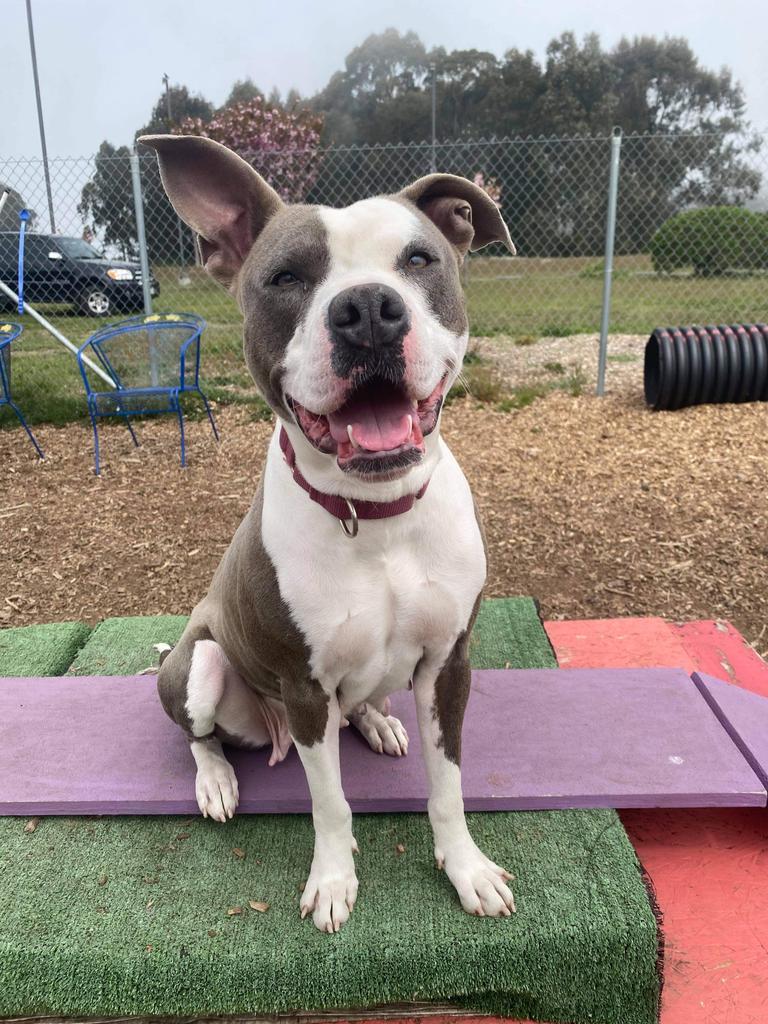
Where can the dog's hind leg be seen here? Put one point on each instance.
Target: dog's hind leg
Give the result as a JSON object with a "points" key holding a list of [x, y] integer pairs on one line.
{"points": [[192, 683], [216, 783]]}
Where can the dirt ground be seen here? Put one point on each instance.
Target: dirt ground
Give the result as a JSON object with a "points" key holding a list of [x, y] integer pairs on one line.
{"points": [[596, 507], [523, 364]]}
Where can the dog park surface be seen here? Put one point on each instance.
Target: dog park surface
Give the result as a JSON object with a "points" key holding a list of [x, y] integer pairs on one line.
{"points": [[598, 508]]}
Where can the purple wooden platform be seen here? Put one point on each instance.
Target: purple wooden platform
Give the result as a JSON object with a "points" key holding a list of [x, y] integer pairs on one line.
{"points": [[744, 716], [548, 738]]}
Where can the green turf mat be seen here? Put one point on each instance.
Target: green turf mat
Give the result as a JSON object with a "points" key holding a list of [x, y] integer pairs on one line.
{"points": [[122, 917], [581, 947], [508, 634], [41, 650], [123, 647]]}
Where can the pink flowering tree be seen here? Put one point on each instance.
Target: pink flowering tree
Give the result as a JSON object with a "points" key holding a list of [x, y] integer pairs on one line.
{"points": [[489, 185], [282, 145]]}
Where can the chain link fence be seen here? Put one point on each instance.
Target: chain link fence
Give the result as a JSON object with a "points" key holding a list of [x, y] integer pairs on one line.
{"points": [[680, 257]]}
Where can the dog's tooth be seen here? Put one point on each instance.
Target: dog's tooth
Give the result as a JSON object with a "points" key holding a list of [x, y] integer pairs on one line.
{"points": [[410, 424], [352, 441]]}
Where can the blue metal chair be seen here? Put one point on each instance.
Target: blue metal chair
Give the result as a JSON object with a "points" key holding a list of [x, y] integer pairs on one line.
{"points": [[152, 361], [8, 332]]}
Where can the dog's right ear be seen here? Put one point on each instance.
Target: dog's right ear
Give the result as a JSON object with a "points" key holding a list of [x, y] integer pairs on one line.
{"points": [[218, 195]]}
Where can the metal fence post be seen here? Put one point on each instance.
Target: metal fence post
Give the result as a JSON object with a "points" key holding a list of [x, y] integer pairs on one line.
{"points": [[610, 234], [146, 284], [433, 159], [141, 234], [40, 122]]}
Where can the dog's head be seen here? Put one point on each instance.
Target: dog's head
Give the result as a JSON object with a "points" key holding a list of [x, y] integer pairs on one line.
{"points": [[355, 323]]}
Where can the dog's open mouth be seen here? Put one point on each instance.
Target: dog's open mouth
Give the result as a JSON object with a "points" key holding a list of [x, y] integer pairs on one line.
{"points": [[379, 430]]}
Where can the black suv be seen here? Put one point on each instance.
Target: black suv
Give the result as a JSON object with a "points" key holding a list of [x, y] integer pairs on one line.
{"points": [[61, 269]]}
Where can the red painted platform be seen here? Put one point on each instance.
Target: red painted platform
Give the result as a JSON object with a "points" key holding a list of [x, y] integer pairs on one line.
{"points": [[709, 867]]}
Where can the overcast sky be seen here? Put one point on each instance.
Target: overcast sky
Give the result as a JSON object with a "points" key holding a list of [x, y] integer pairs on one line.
{"points": [[101, 64]]}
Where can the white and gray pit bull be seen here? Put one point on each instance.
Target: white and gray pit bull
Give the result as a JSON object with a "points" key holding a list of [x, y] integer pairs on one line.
{"points": [[359, 567]]}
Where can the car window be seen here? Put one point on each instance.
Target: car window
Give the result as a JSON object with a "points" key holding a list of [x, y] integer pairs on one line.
{"points": [[37, 248], [77, 248]]}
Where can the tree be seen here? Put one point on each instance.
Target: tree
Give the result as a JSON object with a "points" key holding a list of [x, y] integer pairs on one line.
{"points": [[661, 88], [360, 103], [282, 145], [242, 91], [384, 93], [553, 191], [161, 222], [579, 87], [14, 204], [106, 202], [183, 105]]}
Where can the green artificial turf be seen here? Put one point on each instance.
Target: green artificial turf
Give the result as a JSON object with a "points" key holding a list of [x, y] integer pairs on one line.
{"points": [[124, 647], [41, 650], [129, 916], [508, 634]]}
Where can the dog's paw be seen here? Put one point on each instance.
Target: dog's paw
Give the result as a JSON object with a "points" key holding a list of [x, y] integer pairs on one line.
{"points": [[216, 789], [481, 884], [330, 892], [384, 734]]}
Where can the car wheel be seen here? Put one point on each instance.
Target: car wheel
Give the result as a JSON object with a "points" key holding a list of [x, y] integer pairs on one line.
{"points": [[95, 302]]}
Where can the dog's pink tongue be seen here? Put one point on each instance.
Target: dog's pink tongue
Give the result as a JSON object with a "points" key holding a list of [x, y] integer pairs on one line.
{"points": [[379, 422]]}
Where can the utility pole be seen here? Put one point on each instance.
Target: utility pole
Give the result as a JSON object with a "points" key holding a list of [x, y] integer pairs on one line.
{"points": [[433, 75], [184, 278], [44, 148]]}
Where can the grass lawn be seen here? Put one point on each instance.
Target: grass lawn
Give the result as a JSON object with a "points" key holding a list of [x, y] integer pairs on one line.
{"points": [[520, 298], [541, 297]]}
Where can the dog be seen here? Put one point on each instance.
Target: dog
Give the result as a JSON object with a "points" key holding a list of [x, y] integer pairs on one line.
{"points": [[359, 567]]}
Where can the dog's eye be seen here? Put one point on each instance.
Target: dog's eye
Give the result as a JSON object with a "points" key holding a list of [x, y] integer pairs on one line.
{"points": [[419, 260], [284, 279]]}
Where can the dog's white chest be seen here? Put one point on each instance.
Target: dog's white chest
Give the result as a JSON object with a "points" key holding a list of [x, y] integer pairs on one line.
{"points": [[371, 607]]}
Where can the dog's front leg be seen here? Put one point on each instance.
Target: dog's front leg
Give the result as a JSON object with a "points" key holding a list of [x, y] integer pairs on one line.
{"points": [[314, 719], [441, 694]]}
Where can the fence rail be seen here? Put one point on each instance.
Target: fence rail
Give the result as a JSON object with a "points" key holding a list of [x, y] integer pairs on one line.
{"points": [[553, 193]]}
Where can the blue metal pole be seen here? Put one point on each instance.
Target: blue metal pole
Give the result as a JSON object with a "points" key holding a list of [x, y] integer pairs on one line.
{"points": [[23, 218]]}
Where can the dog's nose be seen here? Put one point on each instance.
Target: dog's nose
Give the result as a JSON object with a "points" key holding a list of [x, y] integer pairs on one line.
{"points": [[368, 316]]}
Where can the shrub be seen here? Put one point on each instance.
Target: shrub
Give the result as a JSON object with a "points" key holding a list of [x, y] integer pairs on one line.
{"points": [[712, 240]]}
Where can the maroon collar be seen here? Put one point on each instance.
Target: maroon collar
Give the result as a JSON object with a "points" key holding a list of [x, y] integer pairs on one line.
{"points": [[343, 508]]}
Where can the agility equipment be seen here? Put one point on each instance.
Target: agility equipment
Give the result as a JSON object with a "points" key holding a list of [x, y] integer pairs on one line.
{"points": [[696, 365], [130, 916], [532, 740]]}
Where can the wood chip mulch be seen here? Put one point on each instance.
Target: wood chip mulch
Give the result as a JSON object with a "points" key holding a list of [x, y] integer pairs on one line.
{"points": [[598, 508]]}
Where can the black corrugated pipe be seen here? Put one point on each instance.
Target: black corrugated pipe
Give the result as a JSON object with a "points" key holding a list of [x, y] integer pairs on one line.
{"points": [[692, 365]]}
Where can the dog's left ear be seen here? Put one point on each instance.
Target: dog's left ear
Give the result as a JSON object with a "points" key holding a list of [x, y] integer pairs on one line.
{"points": [[463, 211]]}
